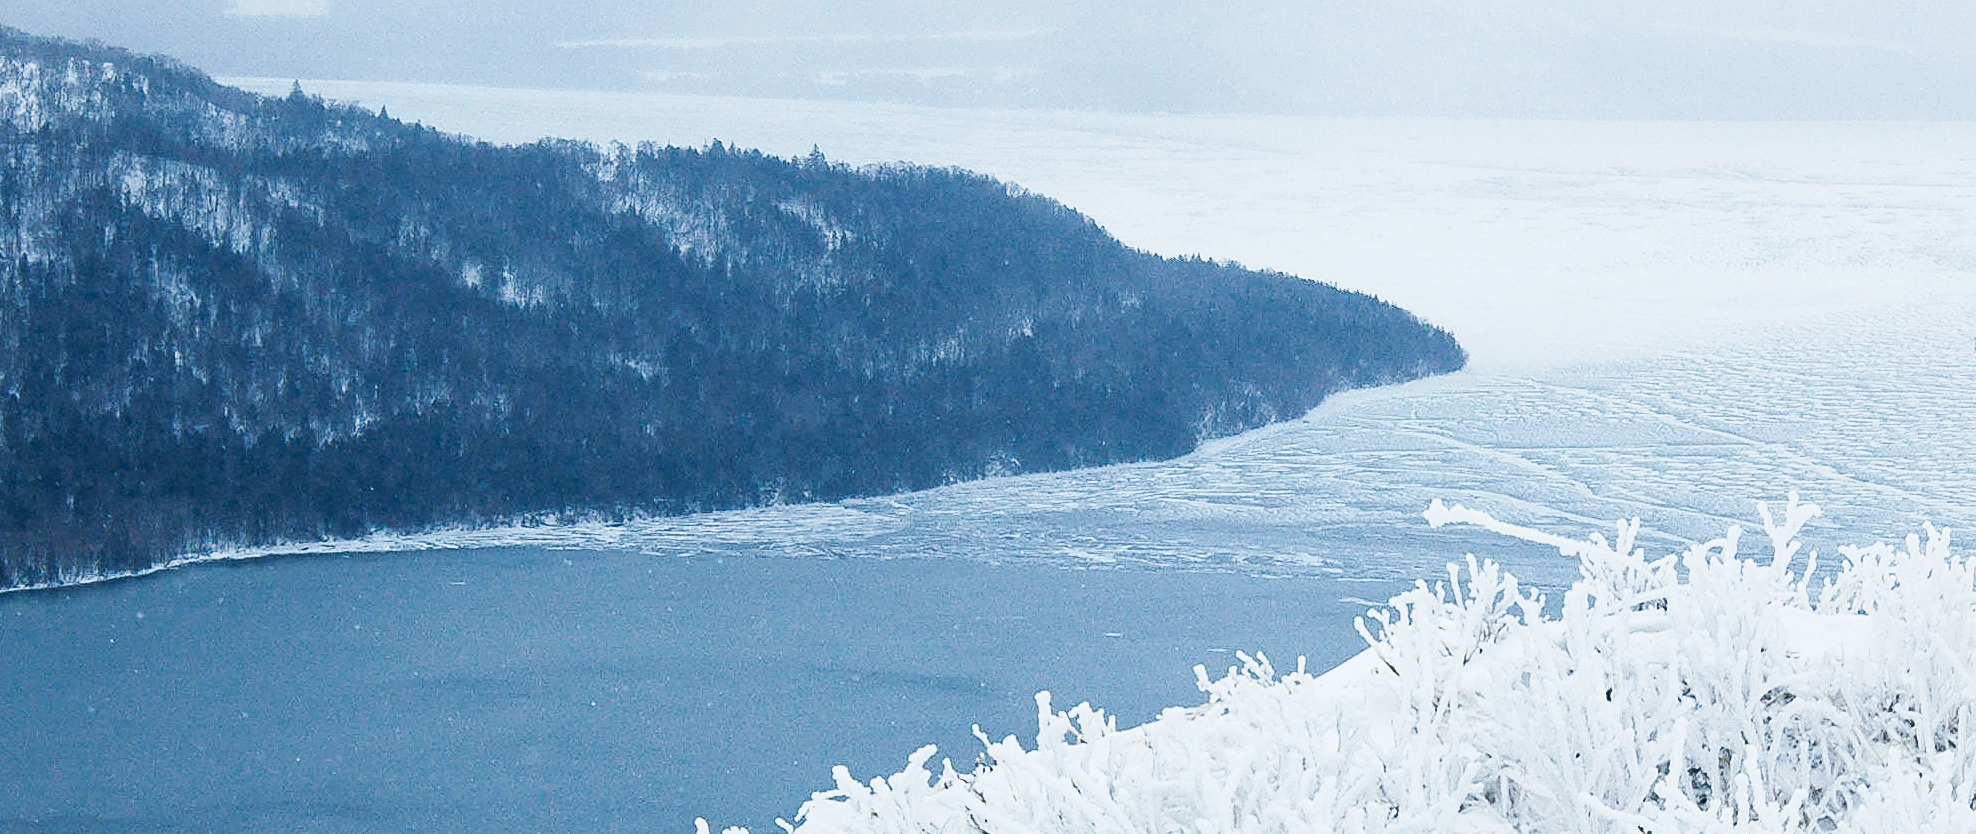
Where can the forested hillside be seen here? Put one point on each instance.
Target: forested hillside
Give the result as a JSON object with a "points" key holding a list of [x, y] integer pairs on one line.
{"points": [[230, 319]]}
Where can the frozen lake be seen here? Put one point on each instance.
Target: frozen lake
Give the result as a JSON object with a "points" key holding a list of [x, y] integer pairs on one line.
{"points": [[1668, 321]]}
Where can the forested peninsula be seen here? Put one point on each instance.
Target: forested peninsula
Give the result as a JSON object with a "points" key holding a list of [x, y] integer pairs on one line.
{"points": [[229, 319]]}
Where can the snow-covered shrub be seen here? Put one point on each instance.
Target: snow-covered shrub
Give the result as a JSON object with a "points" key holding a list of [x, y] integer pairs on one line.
{"points": [[1701, 692]]}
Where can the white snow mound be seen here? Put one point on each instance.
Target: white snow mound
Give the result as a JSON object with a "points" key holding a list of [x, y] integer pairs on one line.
{"points": [[1703, 692]]}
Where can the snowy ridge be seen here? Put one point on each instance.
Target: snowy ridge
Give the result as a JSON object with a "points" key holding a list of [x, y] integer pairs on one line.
{"points": [[1704, 692]]}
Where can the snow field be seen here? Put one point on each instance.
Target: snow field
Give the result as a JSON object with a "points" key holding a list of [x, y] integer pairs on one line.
{"points": [[1706, 691]]}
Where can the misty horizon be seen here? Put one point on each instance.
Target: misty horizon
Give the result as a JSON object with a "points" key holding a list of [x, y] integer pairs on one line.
{"points": [[1528, 59]]}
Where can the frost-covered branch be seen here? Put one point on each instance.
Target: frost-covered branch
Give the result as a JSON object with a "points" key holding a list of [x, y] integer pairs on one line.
{"points": [[1698, 692]]}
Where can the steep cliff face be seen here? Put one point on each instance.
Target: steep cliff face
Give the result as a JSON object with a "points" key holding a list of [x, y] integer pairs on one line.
{"points": [[226, 318]]}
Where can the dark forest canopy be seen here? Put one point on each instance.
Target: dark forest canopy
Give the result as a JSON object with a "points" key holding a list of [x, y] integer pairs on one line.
{"points": [[228, 319]]}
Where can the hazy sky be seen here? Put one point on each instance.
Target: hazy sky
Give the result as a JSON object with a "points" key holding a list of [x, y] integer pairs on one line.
{"points": [[1598, 58]]}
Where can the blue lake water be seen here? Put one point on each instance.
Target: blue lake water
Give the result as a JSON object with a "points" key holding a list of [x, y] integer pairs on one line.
{"points": [[534, 690]]}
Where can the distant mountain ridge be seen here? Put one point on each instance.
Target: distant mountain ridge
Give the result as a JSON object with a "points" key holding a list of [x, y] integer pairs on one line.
{"points": [[232, 319]]}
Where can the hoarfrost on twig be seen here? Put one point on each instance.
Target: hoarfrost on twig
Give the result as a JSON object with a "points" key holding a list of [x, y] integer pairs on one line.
{"points": [[1724, 696]]}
